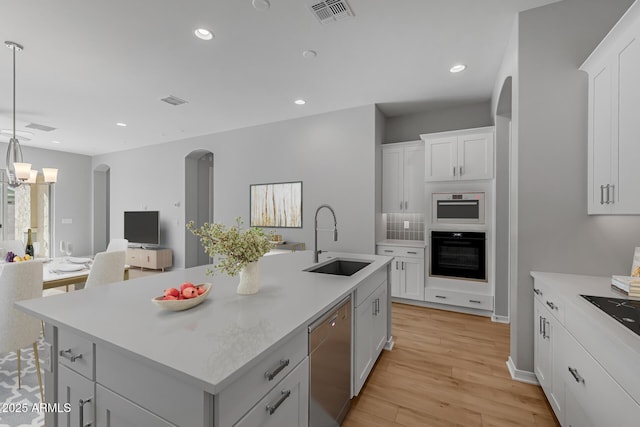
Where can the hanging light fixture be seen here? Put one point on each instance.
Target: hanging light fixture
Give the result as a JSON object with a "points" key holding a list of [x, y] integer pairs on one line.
{"points": [[18, 171]]}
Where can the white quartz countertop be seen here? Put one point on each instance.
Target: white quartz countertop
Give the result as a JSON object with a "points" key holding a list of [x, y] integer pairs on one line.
{"points": [[405, 243], [213, 343]]}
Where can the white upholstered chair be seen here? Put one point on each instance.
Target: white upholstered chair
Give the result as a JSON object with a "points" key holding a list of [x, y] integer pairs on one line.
{"points": [[15, 246], [117, 245], [20, 281], [108, 267]]}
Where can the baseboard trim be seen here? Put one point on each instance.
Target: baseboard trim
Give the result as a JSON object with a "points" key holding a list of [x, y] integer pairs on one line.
{"points": [[500, 319], [522, 376], [389, 344]]}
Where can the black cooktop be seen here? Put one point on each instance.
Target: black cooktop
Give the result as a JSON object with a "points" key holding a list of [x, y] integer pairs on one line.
{"points": [[625, 311]]}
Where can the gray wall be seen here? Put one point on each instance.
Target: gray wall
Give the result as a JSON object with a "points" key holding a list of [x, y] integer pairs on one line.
{"points": [[409, 127], [71, 195], [333, 154], [555, 232]]}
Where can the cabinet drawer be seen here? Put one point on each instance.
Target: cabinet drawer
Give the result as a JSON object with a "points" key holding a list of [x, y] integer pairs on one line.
{"points": [[152, 388], [550, 299], [596, 393], [237, 398], [76, 352], [400, 251], [367, 287], [113, 411], [461, 299], [286, 405]]}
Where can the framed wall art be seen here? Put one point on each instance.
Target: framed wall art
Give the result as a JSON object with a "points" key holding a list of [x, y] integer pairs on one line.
{"points": [[277, 205]]}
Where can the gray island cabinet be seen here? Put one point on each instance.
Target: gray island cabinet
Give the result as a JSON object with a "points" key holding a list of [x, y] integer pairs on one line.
{"points": [[233, 360]]}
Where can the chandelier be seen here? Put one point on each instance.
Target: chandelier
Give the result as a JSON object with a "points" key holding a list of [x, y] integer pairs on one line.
{"points": [[18, 171]]}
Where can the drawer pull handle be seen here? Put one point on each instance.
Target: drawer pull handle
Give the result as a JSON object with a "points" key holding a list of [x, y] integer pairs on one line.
{"points": [[68, 354], [81, 404], [537, 291], [412, 253], [388, 250], [576, 376], [440, 296], [475, 301], [284, 395], [552, 306], [272, 374]]}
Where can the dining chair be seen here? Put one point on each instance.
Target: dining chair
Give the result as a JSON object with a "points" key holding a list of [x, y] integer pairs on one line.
{"points": [[117, 245], [15, 246], [20, 281], [107, 267]]}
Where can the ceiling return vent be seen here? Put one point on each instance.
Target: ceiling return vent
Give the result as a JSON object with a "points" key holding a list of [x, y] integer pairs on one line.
{"points": [[40, 127], [173, 100], [329, 11]]}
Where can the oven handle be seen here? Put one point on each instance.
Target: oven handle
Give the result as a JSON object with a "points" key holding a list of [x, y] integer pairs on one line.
{"points": [[457, 203], [458, 238]]}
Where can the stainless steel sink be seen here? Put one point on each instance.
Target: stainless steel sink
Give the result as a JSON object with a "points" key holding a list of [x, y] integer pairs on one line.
{"points": [[340, 267]]}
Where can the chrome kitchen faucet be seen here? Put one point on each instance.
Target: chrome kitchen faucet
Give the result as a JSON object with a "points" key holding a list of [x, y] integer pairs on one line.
{"points": [[316, 252]]}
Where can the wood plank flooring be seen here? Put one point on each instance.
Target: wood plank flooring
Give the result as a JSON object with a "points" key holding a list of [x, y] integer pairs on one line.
{"points": [[446, 369]]}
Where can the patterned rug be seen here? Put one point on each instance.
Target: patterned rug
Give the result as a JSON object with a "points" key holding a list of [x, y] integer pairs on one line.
{"points": [[17, 405]]}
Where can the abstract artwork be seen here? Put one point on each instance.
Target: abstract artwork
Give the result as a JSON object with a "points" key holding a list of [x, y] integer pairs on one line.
{"points": [[277, 205]]}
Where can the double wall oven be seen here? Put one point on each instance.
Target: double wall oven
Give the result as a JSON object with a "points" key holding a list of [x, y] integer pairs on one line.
{"points": [[458, 249]]}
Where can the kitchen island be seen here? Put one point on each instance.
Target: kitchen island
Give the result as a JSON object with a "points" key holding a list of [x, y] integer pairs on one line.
{"points": [[121, 360]]}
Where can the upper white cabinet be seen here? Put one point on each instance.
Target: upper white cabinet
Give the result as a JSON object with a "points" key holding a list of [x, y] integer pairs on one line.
{"points": [[613, 125], [459, 155], [402, 177]]}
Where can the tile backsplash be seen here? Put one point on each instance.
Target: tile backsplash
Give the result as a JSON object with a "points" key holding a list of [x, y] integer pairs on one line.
{"points": [[396, 230]]}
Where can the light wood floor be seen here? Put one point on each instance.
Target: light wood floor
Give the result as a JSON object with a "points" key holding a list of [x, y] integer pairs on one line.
{"points": [[446, 369]]}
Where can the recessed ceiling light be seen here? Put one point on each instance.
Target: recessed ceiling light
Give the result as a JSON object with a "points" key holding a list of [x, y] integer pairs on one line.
{"points": [[300, 102], [261, 4], [55, 142], [121, 124], [309, 54], [457, 68], [203, 34]]}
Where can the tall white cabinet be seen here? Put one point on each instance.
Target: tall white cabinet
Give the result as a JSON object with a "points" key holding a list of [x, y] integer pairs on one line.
{"points": [[613, 125], [402, 177], [459, 155]]}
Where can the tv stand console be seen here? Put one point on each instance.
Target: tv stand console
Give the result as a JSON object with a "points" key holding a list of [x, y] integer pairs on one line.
{"points": [[150, 258]]}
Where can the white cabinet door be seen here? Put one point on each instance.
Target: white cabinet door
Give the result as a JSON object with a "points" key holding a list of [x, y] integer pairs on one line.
{"points": [[626, 195], [541, 346], [441, 159], [394, 277], [548, 334], [475, 156], [412, 278], [613, 125], [363, 346], [380, 320], [392, 176], [413, 179], [459, 155]]}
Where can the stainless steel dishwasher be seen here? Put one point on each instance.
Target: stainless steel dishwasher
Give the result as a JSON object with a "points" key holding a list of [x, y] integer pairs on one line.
{"points": [[330, 366]]}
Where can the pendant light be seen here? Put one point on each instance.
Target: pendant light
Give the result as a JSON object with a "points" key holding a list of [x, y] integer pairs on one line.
{"points": [[17, 170]]}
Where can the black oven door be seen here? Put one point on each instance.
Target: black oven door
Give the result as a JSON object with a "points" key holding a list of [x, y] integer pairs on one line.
{"points": [[460, 255]]}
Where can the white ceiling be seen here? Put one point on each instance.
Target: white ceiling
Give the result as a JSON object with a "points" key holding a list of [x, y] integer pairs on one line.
{"points": [[88, 64]]}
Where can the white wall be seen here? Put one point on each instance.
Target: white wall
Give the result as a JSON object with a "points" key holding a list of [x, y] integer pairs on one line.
{"points": [[409, 127], [71, 195], [333, 154], [550, 118]]}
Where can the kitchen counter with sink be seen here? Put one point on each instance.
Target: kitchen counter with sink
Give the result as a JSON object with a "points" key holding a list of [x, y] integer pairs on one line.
{"points": [[192, 367]]}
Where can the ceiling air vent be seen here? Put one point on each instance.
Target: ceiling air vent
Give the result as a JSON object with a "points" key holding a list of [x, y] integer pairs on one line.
{"points": [[40, 127], [329, 11], [173, 100]]}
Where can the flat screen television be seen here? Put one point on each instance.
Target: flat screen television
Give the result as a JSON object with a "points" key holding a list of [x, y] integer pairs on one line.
{"points": [[142, 227]]}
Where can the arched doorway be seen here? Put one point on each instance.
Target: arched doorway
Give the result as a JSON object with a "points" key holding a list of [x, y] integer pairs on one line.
{"points": [[503, 189], [198, 202], [101, 208]]}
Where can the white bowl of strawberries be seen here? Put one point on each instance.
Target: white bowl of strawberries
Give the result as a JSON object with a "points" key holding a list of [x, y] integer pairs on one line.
{"points": [[189, 295]]}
